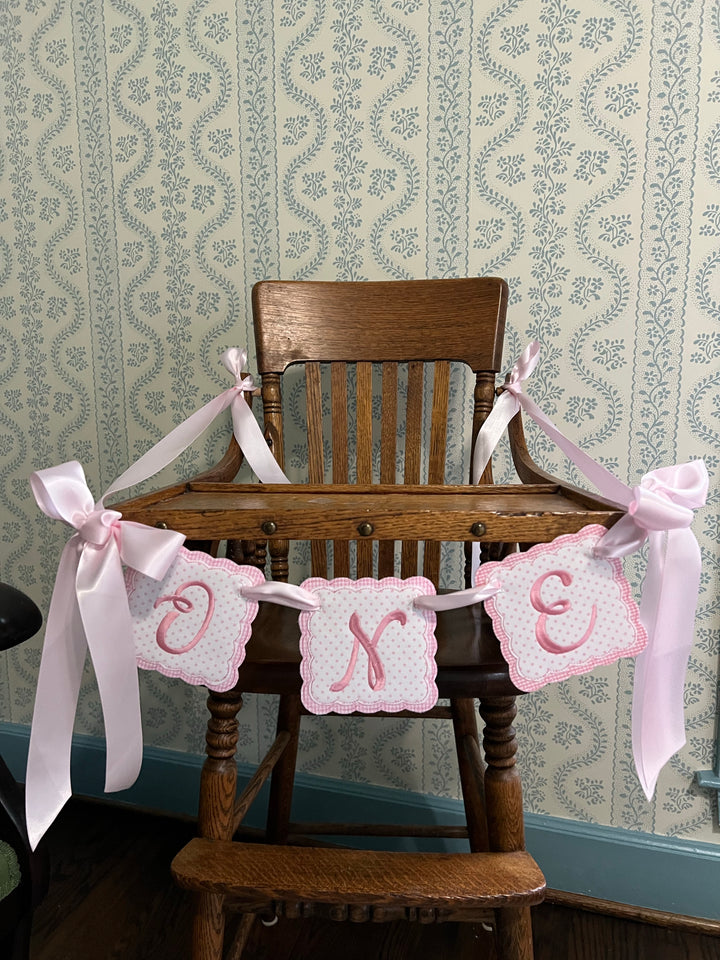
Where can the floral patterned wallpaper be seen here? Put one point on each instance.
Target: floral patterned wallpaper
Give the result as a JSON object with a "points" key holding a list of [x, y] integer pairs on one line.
{"points": [[157, 159]]}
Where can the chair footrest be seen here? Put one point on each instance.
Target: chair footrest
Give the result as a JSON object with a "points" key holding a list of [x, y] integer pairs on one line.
{"points": [[255, 873]]}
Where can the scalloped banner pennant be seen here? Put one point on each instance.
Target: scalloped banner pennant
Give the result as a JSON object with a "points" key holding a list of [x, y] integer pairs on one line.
{"points": [[561, 610], [367, 648], [194, 624]]}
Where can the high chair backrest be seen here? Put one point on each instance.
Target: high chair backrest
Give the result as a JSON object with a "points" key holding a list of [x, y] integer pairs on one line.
{"points": [[352, 335]]}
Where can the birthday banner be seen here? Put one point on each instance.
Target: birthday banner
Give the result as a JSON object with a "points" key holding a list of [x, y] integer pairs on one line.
{"points": [[133, 596]]}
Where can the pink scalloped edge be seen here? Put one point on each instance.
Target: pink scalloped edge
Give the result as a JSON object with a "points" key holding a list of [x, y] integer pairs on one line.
{"points": [[424, 587], [485, 572], [246, 572]]}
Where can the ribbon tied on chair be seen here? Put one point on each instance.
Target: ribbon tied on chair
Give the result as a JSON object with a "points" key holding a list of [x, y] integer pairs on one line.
{"points": [[88, 611], [510, 402], [659, 510], [245, 427], [89, 607]]}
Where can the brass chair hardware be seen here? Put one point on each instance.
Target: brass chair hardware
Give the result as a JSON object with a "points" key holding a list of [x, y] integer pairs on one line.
{"points": [[477, 529], [269, 527], [365, 528], [161, 525]]}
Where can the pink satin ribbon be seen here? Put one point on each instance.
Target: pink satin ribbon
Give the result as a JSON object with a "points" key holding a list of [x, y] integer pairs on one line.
{"points": [[289, 595], [245, 427], [88, 611], [659, 510], [510, 402], [284, 594], [460, 598], [89, 607]]}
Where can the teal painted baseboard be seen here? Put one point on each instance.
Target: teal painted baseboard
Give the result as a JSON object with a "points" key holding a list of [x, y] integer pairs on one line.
{"points": [[661, 873]]}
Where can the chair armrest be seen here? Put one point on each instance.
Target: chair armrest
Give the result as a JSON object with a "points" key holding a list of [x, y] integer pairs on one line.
{"points": [[226, 469], [530, 472]]}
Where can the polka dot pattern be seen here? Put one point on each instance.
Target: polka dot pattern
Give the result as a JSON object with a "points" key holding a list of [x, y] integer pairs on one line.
{"points": [[562, 610], [215, 652], [405, 651]]}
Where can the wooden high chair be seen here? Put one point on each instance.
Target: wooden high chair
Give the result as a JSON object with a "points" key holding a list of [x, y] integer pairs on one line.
{"points": [[405, 334]]}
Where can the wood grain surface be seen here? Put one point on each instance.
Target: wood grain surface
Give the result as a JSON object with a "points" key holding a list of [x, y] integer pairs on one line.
{"points": [[112, 898], [236, 511], [327, 875], [380, 321]]}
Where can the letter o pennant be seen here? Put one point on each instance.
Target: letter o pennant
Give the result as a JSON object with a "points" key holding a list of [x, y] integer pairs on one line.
{"points": [[194, 624]]}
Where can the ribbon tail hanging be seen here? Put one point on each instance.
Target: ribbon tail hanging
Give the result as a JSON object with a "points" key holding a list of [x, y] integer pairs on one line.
{"points": [[103, 605], [658, 714], [252, 443], [506, 406], [47, 782], [489, 435], [89, 609], [173, 444], [247, 433]]}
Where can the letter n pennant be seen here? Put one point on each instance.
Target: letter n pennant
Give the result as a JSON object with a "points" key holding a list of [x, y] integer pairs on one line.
{"points": [[367, 648]]}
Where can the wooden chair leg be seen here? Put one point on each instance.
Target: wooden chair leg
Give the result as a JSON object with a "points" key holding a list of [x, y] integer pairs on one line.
{"points": [[471, 771], [208, 927], [513, 937], [503, 804], [218, 787], [242, 935], [283, 775]]}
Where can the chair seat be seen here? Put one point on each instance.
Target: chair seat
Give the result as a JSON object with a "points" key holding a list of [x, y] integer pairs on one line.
{"points": [[469, 660], [256, 873]]}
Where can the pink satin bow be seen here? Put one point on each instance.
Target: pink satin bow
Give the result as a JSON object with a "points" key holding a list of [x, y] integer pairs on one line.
{"points": [[89, 608], [510, 402], [659, 510], [88, 611], [245, 427]]}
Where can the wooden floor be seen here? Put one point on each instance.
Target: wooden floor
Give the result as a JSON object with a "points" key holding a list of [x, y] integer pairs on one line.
{"points": [[112, 898]]}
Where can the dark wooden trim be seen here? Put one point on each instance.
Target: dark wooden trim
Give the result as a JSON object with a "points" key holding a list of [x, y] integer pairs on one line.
{"points": [[626, 911], [244, 802]]}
